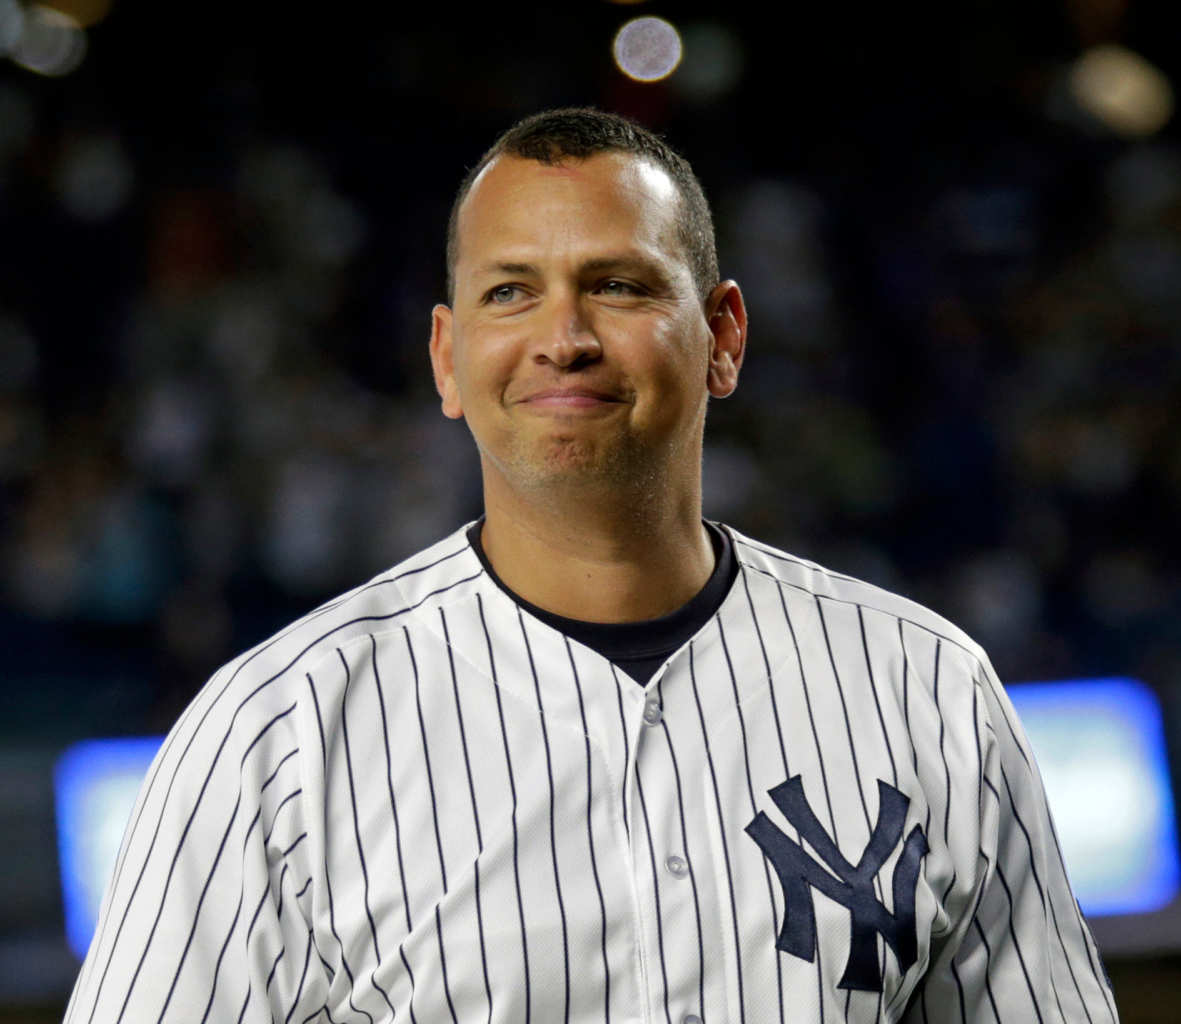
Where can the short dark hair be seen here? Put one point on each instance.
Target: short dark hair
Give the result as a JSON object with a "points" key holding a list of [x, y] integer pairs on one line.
{"points": [[580, 132]]}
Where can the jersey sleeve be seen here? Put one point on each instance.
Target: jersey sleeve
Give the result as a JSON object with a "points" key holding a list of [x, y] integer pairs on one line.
{"points": [[206, 917], [1023, 952]]}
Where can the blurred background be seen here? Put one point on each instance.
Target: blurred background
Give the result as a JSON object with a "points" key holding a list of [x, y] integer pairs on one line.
{"points": [[958, 230]]}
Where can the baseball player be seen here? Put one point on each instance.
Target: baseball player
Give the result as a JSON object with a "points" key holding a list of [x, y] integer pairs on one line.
{"points": [[590, 757]]}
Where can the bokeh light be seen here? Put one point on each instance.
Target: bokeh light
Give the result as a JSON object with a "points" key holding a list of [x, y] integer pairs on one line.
{"points": [[84, 12], [647, 49], [96, 783], [712, 64], [1122, 90], [1100, 745], [50, 42], [12, 23], [94, 177]]}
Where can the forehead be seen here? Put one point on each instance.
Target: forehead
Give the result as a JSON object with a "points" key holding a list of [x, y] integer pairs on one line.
{"points": [[516, 201]]}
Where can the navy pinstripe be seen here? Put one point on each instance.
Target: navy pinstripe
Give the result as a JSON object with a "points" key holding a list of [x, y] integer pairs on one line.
{"points": [[459, 812]]}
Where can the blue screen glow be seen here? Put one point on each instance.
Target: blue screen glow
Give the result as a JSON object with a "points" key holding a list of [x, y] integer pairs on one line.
{"points": [[1100, 746], [95, 786]]}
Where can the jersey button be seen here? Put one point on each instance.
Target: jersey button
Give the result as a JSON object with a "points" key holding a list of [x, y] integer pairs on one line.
{"points": [[651, 712], [691, 1018], [678, 868]]}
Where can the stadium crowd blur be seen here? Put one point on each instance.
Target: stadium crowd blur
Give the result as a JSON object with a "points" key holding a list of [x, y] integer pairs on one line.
{"points": [[222, 231], [221, 236]]}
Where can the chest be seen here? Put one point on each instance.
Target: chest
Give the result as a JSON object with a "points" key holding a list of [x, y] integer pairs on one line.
{"points": [[541, 836]]}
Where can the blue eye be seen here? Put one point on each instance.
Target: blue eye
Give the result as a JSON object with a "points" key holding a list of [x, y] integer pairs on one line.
{"points": [[617, 289], [503, 294]]}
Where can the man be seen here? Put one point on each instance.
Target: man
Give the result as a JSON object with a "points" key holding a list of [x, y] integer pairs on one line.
{"points": [[591, 758]]}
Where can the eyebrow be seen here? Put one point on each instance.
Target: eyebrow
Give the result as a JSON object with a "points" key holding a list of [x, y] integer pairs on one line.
{"points": [[496, 267], [621, 261]]}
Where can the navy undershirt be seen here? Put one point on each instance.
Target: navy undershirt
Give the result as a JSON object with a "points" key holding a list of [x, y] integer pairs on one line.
{"points": [[637, 648]]}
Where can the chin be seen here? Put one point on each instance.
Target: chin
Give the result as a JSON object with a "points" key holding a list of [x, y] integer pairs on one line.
{"points": [[560, 469], [553, 458]]}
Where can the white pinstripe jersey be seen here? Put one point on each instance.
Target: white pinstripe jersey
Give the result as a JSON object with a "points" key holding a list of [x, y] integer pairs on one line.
{"points": [[422, 803]]}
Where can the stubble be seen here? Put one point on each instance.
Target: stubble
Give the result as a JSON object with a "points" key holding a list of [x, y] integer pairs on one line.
{"points": [[558, 466]]}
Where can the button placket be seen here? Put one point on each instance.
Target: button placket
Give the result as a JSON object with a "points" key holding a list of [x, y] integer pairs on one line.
{"points": [[652, 713], [676, 902]]}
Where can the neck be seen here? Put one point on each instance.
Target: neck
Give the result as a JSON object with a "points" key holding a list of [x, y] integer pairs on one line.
{"points": [[597, 561]]}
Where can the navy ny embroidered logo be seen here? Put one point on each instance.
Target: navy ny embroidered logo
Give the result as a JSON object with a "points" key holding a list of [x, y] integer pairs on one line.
{"points": [[852, 886]]}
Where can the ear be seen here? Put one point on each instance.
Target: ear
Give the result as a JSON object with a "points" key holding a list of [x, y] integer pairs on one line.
{"points": [[725, 314], [442, 362]]}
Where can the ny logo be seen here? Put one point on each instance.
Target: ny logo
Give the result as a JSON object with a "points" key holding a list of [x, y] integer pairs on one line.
{"points": [[853, 885]]}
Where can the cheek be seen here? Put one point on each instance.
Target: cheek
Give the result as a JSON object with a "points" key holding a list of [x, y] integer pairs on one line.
{"points": [[674, 365], [486, 366]]}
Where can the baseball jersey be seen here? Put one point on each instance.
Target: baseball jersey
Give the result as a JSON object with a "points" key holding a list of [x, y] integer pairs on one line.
{"points": [[804, 800], [638, 649]]}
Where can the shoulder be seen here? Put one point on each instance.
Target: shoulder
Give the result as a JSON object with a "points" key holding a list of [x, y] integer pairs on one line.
{"points": [[270, 675], [807, 581]]}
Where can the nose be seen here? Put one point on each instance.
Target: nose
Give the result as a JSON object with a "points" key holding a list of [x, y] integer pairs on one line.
{"points": [[565, 334]]}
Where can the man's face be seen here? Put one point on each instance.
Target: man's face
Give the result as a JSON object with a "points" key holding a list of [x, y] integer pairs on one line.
{"points": [[577, 348]]}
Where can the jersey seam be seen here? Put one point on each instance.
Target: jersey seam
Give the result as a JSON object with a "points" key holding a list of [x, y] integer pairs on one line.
{"points": [[483, 674], [321, 863], [413, 615], [902, 618]]}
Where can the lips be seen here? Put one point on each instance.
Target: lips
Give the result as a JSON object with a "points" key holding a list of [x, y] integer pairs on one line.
{"points": [[570, 396]]}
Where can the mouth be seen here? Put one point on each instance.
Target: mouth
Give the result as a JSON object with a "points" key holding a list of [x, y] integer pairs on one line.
{"points": [[570, 398]]}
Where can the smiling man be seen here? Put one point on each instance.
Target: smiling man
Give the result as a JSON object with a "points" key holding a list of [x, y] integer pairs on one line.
{"points": [[582, 348], [591, 757]]}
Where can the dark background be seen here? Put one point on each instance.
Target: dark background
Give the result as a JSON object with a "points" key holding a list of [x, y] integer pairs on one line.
{"points": [[222, 234]]}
